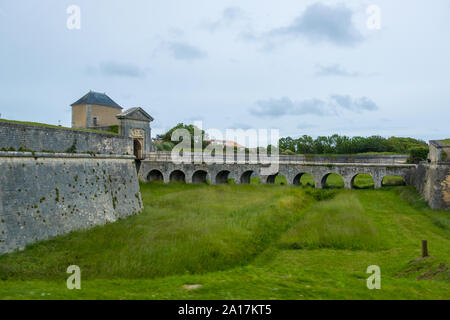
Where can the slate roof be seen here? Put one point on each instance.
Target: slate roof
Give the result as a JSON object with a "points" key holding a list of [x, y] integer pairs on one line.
{"points": [[129, 112], [97, 98]]}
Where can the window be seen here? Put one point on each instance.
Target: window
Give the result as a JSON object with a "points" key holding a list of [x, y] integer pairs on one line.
{"points": [[95, 121]]}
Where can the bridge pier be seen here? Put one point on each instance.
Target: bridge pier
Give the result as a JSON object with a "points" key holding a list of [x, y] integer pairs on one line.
{"points": [[378, 182], [347, 183]]}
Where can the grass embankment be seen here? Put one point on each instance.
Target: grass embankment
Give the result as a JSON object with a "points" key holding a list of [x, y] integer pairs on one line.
{"points": [[339, 223], [183, 229], [56, 127], [246, 242]]}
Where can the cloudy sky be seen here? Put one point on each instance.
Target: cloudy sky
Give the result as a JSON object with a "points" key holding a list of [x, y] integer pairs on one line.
{"points": [[305, 67]]}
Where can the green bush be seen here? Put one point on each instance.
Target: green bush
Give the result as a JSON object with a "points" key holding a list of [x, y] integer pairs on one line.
{"points": [[73, 147], [417, 154], [114, 129], [164, 146]]}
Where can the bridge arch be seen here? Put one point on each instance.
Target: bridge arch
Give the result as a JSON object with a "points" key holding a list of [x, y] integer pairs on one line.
{"points": [[222, 177], [246, 177], [278, 178], [362, 181], [298, 179], [337, 181], [155, 175], [199, 177], [271, 179], [177, 176]]}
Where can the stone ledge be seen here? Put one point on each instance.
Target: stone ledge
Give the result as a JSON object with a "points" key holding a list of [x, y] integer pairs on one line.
{"points": [[297, 163], [16, 154]]}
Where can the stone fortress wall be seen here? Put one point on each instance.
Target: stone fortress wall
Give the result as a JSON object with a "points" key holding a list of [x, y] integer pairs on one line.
{"points": [[432, 178], [43, 195], [46, 191], [16, 137]]}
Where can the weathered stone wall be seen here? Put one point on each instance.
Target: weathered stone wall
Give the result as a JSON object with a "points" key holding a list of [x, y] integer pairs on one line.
{"points": [[44, 195], [219, 173], [166, 156], [127, 125], [38, 138], [432, 180], [438, 152]]}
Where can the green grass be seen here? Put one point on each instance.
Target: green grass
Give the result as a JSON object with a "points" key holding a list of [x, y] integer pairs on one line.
{"points": [[334, 181], [339, 223], [53, 126], [445, 142], [393, 181], [307, 180], [183, 229], [246, 242]]}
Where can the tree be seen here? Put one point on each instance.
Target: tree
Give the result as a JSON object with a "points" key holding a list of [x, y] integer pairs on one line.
{"points": [[417, 154], [195, 133]]}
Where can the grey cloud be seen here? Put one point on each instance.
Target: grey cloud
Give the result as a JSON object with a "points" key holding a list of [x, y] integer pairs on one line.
{"points": [[275, 108], [184, 51], [305, 125], [228, 17], [231, 14], [176, 32], [309, 106], [356, 105], [116, 69], [285, 106], [334, 70], [242, 126], [320, 22]]}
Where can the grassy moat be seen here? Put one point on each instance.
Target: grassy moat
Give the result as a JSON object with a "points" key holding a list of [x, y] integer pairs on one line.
{"points": [[247, 242]]}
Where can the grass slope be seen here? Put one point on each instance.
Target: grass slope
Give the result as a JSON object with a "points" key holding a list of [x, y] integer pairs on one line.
{"points": [[54, 126], [246, 242]]}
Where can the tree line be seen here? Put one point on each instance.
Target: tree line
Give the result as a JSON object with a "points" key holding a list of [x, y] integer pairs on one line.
{"points": [[337, 144], [326, 145]]}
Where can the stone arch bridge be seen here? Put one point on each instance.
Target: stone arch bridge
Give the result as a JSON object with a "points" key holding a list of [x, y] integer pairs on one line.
{"points": [[158, 166]]}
